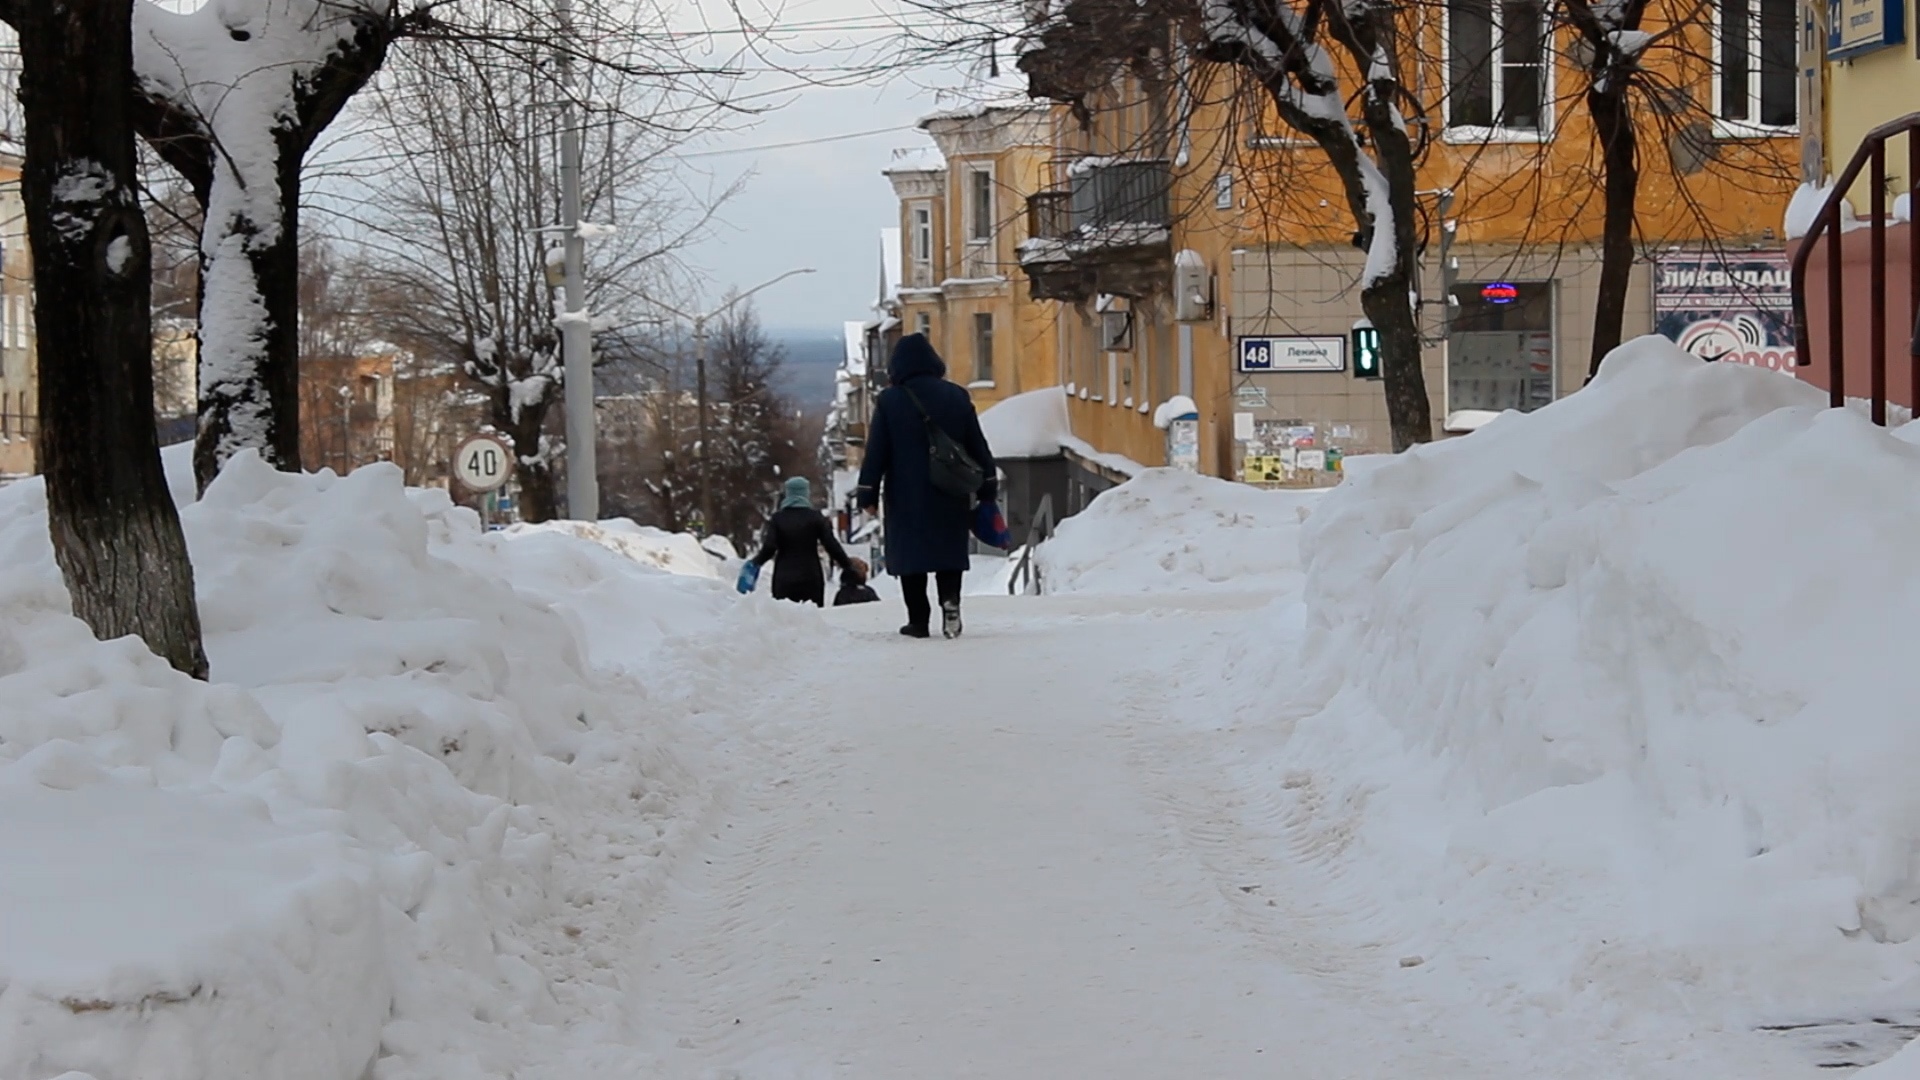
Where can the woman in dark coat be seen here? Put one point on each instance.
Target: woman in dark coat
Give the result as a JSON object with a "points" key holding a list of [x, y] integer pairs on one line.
{"points": [[926, 528], [795, 535]]}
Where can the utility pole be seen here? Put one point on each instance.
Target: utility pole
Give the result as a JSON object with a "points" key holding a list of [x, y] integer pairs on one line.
{"points": [[576, 330], [700, 388]]}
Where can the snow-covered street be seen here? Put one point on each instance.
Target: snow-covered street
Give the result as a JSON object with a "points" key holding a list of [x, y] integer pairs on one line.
{"points": [[986, 860], [1454, 771]]}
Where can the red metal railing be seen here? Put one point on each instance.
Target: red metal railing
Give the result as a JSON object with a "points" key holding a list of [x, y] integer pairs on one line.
{"points": [[1871, 156]]}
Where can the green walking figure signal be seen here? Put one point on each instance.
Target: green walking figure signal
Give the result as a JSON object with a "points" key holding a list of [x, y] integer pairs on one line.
{"points": [[1366, 352]]}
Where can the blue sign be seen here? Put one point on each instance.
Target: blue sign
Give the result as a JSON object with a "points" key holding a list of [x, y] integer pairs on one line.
{"points": [[1862, 26]]}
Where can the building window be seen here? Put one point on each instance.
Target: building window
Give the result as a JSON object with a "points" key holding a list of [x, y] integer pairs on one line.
{"points": [[1500, 354], [923, 235], [983, 347], [1754, 45], [1496, 64], [980, 205], [923, 325]]}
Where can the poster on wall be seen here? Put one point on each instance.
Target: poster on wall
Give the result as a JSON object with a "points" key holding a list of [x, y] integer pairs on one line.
{"points": [[1736, 307], [1183, 444]]}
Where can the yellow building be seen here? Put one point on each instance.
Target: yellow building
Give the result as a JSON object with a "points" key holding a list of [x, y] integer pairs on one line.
{"points": [[1183, 231], [19, 378], [1871, 75], [962, 217]]}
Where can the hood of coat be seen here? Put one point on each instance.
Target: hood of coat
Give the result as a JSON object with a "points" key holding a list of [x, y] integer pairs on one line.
{"points": [[797, 491], [912, 358]]}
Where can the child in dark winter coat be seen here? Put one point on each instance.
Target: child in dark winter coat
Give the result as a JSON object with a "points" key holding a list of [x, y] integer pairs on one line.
{"points": [[853, 586]]}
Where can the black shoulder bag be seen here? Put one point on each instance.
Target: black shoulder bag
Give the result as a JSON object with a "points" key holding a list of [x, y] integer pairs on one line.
{"points": [[952, 470]]}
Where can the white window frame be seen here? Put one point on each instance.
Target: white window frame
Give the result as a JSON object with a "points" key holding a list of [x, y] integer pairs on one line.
{"points": [[985, 378], [1474, 133], [921, 238], [979, 231], [1750, 129], [923, 324]]}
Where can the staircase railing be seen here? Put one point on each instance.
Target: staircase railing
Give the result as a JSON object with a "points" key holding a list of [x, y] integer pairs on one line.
{"points": [[1025, 579], [1872, 157]]}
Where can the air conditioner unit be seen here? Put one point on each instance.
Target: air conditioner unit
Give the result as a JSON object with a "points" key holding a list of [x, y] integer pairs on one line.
{"points": [[1116, 331]]}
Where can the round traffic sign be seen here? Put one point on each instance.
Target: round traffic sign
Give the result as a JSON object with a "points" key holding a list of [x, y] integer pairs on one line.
{"points": [[483, 463]]}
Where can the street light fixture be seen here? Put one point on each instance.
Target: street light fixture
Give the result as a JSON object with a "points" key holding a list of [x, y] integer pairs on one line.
{"points": [[700, 377]]}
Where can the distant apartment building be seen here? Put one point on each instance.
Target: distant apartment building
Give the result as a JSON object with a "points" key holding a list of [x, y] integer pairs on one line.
{"points": [[19, 369]]}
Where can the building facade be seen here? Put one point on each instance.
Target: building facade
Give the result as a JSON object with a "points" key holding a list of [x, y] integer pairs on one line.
{"points": [[962, 218], [19, 368], [1192, 247]]}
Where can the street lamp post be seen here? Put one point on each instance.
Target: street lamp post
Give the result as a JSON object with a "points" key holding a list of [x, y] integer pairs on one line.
{"points": [[700, 381]]}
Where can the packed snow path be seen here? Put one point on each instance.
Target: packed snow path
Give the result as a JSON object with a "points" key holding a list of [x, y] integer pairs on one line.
{"points": [[977, 858]]}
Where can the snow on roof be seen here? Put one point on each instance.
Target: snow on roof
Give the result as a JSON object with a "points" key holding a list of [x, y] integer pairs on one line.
{"points": [[996, 99], [856, 357], [1029, 425], [1119, 463], [889, 264], [916, 159]]}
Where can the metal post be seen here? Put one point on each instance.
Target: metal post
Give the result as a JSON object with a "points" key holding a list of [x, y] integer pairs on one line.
{"points": [[576, 333], [1186, 359], [700, 376]]}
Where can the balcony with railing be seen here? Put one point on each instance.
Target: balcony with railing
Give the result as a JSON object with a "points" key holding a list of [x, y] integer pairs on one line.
{"points": [[1105, 229]]}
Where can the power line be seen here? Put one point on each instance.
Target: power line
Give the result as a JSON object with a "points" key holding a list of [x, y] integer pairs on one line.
{"points": [[797, 142]]}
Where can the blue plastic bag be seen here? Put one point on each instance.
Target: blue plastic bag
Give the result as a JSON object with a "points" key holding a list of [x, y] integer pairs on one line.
{"points": [[749, 577], [990, 526]]}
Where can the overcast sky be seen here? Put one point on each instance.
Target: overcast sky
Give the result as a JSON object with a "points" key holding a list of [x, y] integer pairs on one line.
{"points": [[821, 204]]}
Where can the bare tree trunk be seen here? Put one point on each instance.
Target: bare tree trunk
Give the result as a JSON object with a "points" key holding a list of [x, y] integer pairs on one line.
{"points": [[1388, 302], [250, 375], [116, 534], [1613, 124], [539, 500], [249, 319]]}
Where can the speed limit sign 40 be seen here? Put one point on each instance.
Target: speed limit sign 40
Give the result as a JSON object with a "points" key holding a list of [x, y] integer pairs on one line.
{"points": [[483, 463]]}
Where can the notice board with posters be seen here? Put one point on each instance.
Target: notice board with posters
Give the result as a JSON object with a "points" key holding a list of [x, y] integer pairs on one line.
{"points": [[1735, 307]]}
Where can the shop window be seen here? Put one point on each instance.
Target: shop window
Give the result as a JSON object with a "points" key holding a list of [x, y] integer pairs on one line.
{"points": [[1756, 84], [1501, 353], [1496, 65]]}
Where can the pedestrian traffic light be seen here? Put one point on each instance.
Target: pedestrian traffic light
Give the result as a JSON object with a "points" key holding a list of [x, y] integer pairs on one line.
{"points": [[1366, 352]]}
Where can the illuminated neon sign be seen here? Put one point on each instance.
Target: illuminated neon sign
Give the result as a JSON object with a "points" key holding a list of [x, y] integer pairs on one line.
{"points": [[1499, 292]]}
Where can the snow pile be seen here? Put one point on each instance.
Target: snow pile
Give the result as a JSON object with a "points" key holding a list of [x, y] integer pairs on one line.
{"points": [[1029, 425], [1172, 529], [1610, 705], [336, 861], [1803, 211], [676, 553], [1173, 409]]}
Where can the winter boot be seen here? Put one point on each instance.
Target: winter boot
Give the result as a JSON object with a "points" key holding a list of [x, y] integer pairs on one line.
{"points": [[950, 619], [913, 631]]}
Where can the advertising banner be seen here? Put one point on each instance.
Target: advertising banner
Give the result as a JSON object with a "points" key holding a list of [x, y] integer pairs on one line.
{"points": [[1736, 307]]}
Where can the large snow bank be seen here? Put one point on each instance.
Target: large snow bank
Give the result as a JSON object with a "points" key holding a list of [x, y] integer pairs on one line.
{"points": [[1607, 709], [336, 860], [676, 553], [1029, 425], [1172, 529]]}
